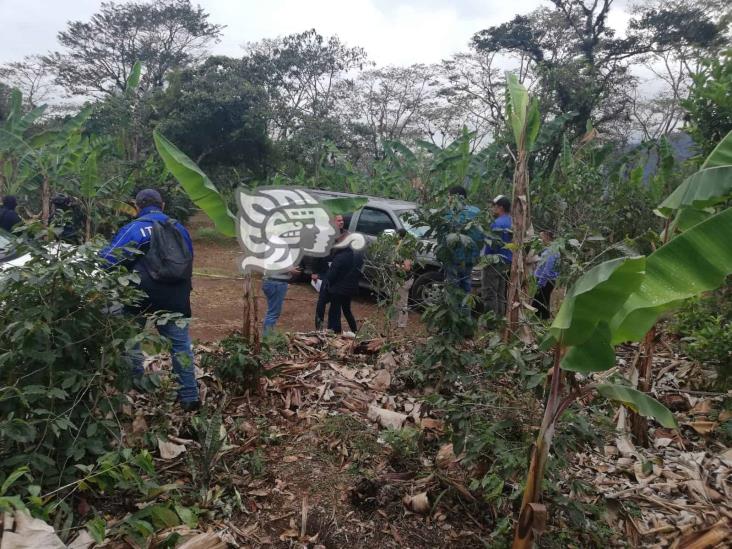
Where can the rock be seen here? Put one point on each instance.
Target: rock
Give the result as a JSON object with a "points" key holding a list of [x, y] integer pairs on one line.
{"points": [[387, 361], [418, 503]]}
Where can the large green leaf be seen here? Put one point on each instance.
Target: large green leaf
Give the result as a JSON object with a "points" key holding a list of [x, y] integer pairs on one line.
{"points": [[688, 217], [197, 185], [344, 205], [702, 189], [133, 80], [518, 104], [694, 262], [639, 402], [595, 297], [721, 155], [594, 355]]}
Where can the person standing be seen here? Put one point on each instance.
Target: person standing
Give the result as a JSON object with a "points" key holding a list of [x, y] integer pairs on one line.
{"points": [[546, 276], [404, 262], [463, 258], [274, 287], [495, 274], [171, 294], [320, 269], [9, 218], [343, 279]]}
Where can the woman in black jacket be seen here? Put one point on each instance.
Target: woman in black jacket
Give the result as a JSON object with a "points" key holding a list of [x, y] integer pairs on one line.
{"points": [[343, 278]]}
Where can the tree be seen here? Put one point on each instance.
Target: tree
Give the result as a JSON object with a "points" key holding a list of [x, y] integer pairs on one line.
{"points": [[100, 54], [31, 77], [301, 74], [574, 56], [709, 105], [217, 115], [680, 34]]}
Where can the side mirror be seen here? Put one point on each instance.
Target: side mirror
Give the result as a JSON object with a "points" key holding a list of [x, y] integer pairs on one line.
{"points": [[390, 232]]}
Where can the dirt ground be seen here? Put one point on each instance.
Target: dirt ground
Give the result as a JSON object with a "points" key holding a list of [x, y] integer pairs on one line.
{"points": [[217, 301]]}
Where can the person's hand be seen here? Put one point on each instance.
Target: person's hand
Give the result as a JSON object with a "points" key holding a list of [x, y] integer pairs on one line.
{"points": [[295, 271], [407, 264]]}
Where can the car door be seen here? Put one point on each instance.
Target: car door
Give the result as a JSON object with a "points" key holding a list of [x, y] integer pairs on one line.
{"points": [[371, 222]]}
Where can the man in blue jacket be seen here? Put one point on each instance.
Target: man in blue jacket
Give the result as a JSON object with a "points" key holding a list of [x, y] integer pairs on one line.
{"points": [[172, 297], [495, 273]]}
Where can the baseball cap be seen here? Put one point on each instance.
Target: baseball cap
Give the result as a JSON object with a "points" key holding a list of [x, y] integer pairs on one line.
{"points": [[497, 198], [151, 196]]}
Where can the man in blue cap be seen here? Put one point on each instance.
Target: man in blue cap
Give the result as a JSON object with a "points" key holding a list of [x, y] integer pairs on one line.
{"points": [[161, 295], [495, 273]]}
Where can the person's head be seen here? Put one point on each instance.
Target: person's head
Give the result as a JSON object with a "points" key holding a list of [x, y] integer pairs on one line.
{"points": [[339, 222], [60, 201], [10, 202], [457, 190], [148, 197], [401, 233], [501, 205], [546, 236]]}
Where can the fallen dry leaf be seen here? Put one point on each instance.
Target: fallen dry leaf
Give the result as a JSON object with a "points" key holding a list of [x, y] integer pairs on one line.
{"points": [[169, 450], [386, 418], [446, 457], [436, 425], [28, 533], [381, 381], [418, 503], [702, 427]]}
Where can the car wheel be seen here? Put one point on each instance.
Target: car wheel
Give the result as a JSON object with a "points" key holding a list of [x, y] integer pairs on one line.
{"points": [[421, 288]]}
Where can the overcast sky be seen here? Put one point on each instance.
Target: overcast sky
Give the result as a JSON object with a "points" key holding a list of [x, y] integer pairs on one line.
{"points": [[395, 32]]}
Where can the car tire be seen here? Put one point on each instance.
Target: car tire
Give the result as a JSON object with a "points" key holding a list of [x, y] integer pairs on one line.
{"points": [[422, 284]]}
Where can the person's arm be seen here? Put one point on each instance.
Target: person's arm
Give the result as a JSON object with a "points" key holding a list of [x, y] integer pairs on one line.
{"points": [[186, 236], [129, 236]]}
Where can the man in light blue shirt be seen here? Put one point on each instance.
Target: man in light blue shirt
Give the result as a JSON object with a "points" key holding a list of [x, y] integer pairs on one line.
{"points": [[495, 274], [546, 276]]}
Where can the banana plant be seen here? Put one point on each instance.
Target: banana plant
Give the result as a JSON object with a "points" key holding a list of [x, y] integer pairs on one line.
{"points": [[12, 141], [522, 113], [618, 301]]}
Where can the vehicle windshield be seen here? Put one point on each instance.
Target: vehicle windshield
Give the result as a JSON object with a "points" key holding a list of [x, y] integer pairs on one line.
{"points": [[407, 219]]}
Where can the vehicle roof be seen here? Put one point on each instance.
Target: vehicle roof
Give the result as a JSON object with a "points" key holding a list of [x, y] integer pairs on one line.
{"points": [[372, 200]]}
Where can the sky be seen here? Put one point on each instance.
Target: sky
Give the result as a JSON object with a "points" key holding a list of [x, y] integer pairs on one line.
{"points": [[393, 32]]}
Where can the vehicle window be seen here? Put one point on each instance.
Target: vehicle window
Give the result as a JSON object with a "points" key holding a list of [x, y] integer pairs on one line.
{"points": [[407, 220], [347, 220], [374, 222]]}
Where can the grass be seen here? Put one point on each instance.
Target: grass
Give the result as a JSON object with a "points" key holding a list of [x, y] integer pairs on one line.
{"points": [[211, 235]]}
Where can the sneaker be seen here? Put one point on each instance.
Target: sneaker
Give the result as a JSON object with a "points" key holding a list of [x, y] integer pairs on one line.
{"points": [[191, 405], [349, 335]]}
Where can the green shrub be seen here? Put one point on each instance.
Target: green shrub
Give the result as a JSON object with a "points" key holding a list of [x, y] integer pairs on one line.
{"points": [[704, 326], [62, 361], [405, 444], [236, 364]]}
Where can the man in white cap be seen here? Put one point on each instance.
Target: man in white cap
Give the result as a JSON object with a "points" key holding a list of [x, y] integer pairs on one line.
{"points": [[495, 274]]}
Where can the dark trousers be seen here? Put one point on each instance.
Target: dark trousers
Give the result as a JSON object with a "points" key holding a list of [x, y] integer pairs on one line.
{"points": [[542, 300], [324, 297], [494, 282], [340, 303]]}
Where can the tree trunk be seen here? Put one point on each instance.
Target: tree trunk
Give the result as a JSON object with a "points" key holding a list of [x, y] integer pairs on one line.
{"points": [[45, 200], [87, 228], [639, 424], [518, 281], [250, 329], [533, 515]]}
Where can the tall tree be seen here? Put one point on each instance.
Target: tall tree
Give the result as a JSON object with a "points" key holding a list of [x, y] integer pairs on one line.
{"points": [[302, 75], [100, 53], [31, 77], [216, 114], [573, 54]]}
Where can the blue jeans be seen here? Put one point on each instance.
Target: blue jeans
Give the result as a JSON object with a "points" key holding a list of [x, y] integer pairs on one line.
{"points": [[182, 356], [460, 277], [274, 291]]}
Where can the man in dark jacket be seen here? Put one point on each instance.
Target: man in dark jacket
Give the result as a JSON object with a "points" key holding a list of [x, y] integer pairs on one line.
{"points": [[342, 279], [9, 218], [160, 296]]}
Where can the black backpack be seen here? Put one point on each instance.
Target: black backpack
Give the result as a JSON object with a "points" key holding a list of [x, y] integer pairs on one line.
{"points": [[168, 259]]}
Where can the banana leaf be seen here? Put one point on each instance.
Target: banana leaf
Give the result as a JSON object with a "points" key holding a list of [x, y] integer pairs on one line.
{"points": [[721, 155], [517, 105], [594, 355], [595, 297], [701, 190], [694, 262], [133, 80], [639, 402], [197, 185]]}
